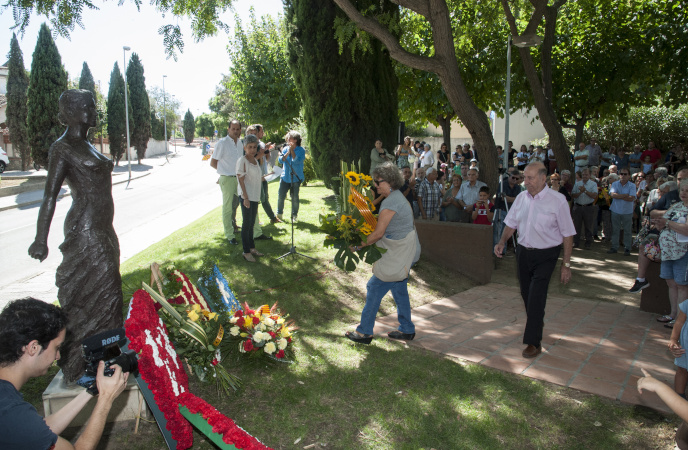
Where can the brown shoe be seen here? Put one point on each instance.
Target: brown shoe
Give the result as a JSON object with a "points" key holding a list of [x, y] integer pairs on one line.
{"points": [[249, 257], [531, 351]]}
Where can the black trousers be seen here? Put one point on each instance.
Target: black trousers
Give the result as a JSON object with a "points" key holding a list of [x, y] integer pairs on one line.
{"points": [[535, 267], [583, 216], [249, 219]]}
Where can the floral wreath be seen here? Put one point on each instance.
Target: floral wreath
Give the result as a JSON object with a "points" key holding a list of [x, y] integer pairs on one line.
{"points": [[159, 365]]}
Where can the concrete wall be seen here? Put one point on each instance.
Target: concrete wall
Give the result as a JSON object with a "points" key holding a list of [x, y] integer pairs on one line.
{"points": [[154, 148], [521, 130], [462, 247]]}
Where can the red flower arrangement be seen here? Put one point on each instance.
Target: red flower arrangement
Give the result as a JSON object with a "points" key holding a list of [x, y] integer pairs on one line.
{"points": [[263, 332], [159, 365], [231, 433]]}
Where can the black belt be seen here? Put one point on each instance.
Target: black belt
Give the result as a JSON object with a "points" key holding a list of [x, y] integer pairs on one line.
{"points": [[229, 176], [541, 249], [578, 204]]}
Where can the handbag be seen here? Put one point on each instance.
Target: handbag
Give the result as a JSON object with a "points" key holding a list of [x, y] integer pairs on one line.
{"points": [[396, 262]]}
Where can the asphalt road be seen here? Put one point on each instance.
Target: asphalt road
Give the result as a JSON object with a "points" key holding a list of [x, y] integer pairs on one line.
{"points": [[151, 208]]}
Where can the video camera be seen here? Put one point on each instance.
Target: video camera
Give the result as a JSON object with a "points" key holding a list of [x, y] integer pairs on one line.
{"points": [[106, 346]]}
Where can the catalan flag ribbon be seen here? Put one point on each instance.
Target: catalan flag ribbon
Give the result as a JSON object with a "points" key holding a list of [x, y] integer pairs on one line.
{"points": [[364, 208]]}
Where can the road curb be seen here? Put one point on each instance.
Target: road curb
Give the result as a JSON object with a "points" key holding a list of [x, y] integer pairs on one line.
{"points": [[66, 194]]}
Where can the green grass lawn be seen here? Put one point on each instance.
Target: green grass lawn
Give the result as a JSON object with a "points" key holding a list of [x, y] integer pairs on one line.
{"points": [[340, 395]]}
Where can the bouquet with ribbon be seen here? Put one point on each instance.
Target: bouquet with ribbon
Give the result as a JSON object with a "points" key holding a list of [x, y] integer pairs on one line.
{"points": [[353, 222], [199, 337]]}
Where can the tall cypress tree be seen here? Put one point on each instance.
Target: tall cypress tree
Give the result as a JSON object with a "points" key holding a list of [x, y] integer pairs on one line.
{"points": [[140, 105], [17, 86], [348, 104], [116, 127], [47, 82], [86, 82], [189, 126]]}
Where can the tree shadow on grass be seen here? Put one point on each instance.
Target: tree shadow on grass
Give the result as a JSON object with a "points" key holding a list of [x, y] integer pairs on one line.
{"points": [[348, 395]]}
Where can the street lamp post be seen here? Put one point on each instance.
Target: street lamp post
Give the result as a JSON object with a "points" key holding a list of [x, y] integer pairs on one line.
{"points": [[164, 114], [126, 108], [519, 41]]}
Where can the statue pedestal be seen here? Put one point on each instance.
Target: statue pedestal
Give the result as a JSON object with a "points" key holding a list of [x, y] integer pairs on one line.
{"points": [[125, 407]]}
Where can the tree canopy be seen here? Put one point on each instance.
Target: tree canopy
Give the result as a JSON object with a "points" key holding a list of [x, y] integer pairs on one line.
{"points": [[140, 106], [17, 87], [262, 86], [348, 103], [86, 82], [116, 125], [168, 108], [47, 82], [64, 15], [189, 127]]}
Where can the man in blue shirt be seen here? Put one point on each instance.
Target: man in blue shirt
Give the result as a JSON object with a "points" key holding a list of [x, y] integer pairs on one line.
{"points": [[292, 159], [622, 193]]}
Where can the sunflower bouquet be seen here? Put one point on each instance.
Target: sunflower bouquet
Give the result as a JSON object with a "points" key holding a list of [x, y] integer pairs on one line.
{"points": [[355, 220]]}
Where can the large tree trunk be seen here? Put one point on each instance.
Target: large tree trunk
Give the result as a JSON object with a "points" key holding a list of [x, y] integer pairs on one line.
{"points": [[445, 123], [542, 89], [446, 66]]}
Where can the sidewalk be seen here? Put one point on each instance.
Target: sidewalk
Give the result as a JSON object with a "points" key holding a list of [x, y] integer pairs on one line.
{"points": [[590, 345], [120, 175]]}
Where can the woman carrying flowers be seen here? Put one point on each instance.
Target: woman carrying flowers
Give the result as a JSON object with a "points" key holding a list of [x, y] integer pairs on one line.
{"points": [[249, 176], [395, 232]]}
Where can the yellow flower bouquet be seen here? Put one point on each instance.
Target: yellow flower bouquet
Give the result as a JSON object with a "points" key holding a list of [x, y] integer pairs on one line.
{"points": [[354, 221]]}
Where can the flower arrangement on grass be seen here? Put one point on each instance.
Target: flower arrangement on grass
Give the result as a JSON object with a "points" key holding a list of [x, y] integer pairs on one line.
{"points": [[263, 332], [353, 222], [198, 335]]}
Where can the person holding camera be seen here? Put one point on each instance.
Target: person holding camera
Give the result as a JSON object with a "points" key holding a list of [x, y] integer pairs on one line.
{"points": [[31, 334]]}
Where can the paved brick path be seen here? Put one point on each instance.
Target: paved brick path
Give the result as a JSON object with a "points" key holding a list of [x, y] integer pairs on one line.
{"points": [[594, 346]]}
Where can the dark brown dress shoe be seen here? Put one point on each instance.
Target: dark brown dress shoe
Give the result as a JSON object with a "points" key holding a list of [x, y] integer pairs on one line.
{"points": [[532, 351]]}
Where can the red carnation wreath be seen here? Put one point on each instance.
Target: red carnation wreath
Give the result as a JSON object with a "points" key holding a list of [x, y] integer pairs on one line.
{"points": [[159, 365], [231, 433]]}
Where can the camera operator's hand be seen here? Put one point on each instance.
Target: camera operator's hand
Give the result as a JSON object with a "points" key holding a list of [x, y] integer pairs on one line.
{"points": [[109, 388]]}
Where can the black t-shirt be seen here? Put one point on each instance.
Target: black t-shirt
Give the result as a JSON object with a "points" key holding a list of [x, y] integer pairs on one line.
{"points": [[21, 427], [411, 195], [509, 191]]}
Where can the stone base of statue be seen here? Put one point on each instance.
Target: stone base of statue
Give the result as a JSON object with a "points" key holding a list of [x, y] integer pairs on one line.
{"points": [[125, 407]]}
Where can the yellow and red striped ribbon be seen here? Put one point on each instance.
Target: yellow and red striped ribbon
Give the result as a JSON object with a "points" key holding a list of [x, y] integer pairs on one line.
{"points": [[363, 208]]}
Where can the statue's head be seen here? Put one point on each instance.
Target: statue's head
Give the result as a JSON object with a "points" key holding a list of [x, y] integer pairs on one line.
{"points": [[77, 106]]}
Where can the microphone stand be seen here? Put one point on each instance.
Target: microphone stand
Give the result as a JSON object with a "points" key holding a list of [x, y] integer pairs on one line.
{"points": [[292, 250]]}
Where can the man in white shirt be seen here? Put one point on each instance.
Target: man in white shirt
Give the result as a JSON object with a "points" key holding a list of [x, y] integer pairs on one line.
{"points": [[227, 152], [580, 158], [470, 190]]}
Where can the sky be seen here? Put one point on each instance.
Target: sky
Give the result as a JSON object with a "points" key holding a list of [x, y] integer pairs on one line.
{"points": [[191, 79]]}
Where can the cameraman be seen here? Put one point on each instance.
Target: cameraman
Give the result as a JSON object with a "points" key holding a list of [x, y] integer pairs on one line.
{"points": [[31, 334]]}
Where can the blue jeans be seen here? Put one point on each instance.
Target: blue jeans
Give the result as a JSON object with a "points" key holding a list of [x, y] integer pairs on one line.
{"points": [[498, 227], [377, 289], [619, 221], [282, 194]]}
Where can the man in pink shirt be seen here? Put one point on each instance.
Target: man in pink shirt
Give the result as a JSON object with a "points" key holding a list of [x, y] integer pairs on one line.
{"points": [[543, 220], [652, 151]]}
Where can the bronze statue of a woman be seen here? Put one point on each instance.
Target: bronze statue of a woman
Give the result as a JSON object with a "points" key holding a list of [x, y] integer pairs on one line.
{"points": [[88, 279]]}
